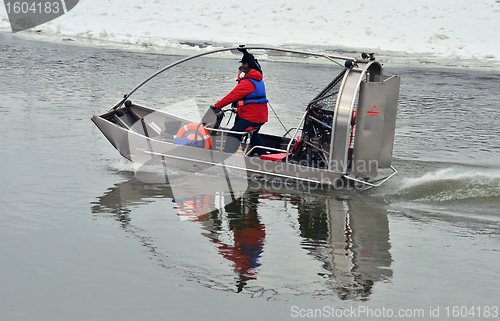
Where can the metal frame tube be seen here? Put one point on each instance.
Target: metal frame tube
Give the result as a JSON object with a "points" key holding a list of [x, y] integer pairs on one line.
{"points": [[295, 135], [328, 57]]}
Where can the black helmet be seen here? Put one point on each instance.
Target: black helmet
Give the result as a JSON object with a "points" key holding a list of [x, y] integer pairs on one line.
{"points": [[249, 59]]}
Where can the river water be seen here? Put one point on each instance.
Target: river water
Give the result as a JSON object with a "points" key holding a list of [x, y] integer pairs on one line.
{"points": [[84, 239]]}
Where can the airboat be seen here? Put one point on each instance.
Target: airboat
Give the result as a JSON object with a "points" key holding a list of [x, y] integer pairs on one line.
{"points": [[344, 139]]}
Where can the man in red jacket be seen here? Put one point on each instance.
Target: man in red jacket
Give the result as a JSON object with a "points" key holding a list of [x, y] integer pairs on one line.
{"points": [[250, 96]]}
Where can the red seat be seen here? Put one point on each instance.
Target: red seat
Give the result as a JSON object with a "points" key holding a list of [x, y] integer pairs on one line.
{"points": [[273, 157]]}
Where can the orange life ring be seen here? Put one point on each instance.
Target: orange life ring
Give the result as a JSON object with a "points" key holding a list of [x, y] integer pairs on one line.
{"points": [[193, 130]]}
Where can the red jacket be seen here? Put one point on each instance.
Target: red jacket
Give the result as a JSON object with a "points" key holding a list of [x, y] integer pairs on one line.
{"points": [[254, 112]]}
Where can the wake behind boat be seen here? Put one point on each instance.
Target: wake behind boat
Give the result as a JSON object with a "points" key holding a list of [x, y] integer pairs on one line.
{"points": [[345, 137]]}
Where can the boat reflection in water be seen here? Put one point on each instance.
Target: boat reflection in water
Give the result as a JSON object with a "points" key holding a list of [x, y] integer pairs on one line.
{"points": [[352, 241], [349, 238]]}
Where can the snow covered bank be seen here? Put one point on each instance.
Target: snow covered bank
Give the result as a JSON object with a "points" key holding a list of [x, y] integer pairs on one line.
{"points": [[445, 29]]}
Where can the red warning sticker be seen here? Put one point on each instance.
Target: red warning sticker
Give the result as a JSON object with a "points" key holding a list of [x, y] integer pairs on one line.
{"points": [[373, 111]]}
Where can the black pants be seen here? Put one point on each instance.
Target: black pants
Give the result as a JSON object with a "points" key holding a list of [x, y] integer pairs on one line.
{"points": [[242, 125]]}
